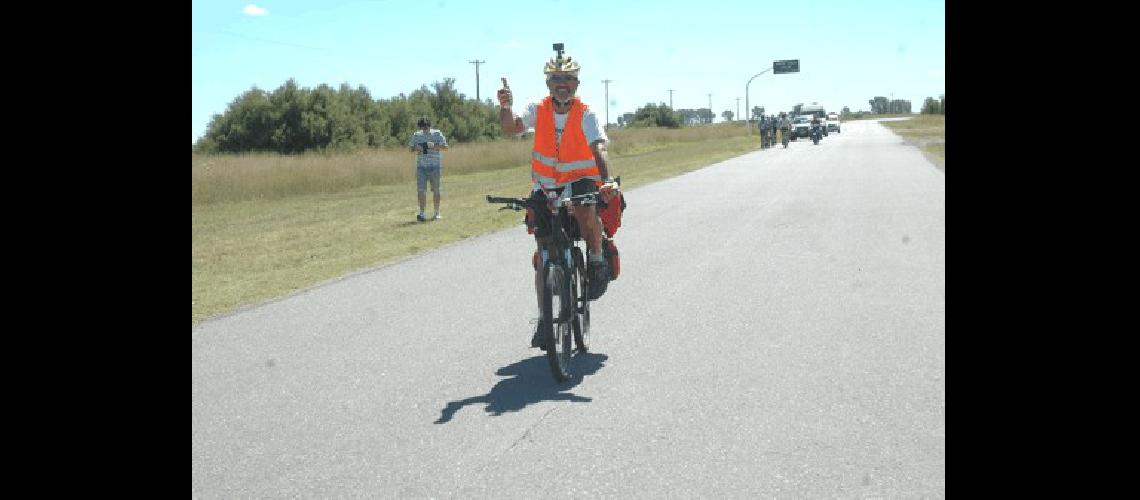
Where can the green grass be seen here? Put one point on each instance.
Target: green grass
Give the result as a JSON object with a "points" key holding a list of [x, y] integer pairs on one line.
{"points": [[266, 232], [927, 132]]}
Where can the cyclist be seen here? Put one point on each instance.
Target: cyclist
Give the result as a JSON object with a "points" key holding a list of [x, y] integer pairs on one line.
{"points": [[569, 151], [765, 127], [772, 131], [785, 126], [816, 126]]}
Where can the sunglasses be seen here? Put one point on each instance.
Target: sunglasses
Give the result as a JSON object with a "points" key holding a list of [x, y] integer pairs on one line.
{"points": [[562, 78]]}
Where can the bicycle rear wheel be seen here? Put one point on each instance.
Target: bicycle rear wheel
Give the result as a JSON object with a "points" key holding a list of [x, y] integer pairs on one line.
{"points": [[557, 316], [581, 321]]}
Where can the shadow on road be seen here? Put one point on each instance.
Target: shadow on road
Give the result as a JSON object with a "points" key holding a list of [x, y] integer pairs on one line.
{"points": [[530, 382]]}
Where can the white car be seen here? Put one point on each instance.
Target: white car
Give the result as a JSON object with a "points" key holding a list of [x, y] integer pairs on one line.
{"points": [[801, 126], [833, 122]]}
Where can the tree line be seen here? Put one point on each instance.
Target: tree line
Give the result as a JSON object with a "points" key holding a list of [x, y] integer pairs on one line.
{"points": [[661, 115], [882, 105], [294, 119], [934, 107], [291, 119]]}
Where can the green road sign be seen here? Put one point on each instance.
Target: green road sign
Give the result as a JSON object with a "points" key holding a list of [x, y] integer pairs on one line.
{"points": [[788, 66]]}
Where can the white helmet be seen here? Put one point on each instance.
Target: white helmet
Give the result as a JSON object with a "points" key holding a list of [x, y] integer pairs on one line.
{"points": [[559, 64]]}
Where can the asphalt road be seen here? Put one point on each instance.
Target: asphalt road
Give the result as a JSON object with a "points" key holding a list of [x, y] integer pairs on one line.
{"points": [[777, 331]]}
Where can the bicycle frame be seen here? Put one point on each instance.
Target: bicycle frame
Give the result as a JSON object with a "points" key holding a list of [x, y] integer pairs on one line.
{"points": [[563, 269], [558, 211]]}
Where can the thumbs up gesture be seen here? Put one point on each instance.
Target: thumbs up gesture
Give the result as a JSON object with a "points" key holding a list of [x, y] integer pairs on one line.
{"points": [[505, 98]]}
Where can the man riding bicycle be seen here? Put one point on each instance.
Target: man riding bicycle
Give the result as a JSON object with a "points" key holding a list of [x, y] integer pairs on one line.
{"points": [[785, 126], [765, 127], [569, 151]]}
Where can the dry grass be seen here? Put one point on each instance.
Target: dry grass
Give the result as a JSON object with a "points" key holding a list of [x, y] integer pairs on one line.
{"points": [[230, 178], [927, 132], [248, 251], [876, 117]]}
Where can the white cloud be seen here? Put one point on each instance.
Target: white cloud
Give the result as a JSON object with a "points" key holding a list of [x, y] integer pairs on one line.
{"points": [[253, 10]]}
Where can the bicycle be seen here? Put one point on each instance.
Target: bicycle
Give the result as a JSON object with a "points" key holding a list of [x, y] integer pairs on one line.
{"points": [[565, 283]]}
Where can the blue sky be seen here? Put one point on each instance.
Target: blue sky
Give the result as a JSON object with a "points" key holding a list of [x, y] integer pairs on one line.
{"points": [[849, 51]]}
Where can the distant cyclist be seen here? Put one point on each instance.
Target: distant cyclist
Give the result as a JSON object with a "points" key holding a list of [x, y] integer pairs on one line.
{"points": [[816, 125], [765, 128], [772, 124], [785, 126]]}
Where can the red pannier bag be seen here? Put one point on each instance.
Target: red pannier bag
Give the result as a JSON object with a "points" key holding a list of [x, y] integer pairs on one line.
{"points": [[611, 215], [608, 248], [611, 221], [612, 257]]}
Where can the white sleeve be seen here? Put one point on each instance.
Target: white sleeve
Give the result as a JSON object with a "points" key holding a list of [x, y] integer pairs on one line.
{"points": [[591, 129]]}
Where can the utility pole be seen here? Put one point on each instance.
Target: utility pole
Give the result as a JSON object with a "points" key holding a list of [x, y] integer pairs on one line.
{"points": [[477, 63], [607, 82], [670, 98]]}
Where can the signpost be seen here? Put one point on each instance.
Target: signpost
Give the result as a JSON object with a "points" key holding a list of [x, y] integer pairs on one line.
{"points": [[786, 66], [780, 68]]}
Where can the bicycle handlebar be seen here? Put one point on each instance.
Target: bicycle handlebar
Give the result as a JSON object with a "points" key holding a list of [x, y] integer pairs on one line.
{"points": [[520, 203], [498, 199], [537, 203]]}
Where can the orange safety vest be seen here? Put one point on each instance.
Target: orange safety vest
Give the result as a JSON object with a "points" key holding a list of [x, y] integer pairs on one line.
{"points": [[554, 165]]}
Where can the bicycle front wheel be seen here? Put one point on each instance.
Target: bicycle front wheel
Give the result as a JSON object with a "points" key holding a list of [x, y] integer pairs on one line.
{"points": [[557, 316], [581, 321]]}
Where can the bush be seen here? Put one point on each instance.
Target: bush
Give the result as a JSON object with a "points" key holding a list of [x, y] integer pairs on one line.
{"points": [[293, 120]]}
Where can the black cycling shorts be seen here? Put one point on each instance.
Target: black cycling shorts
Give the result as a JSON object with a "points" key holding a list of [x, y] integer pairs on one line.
{"points": [[541, 225]]}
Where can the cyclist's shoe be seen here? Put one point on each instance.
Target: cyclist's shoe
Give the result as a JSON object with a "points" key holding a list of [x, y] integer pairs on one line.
{"points": [[599, 278], [420, 217], [536, 340], [437, 216]]}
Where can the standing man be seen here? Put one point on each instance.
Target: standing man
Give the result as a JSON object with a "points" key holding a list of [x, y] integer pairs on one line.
{"points": [[427, 143], [569, 152]]}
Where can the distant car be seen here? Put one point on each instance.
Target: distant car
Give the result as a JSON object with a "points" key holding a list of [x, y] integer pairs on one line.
{"points": [[801, 126], [833, 122]]}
